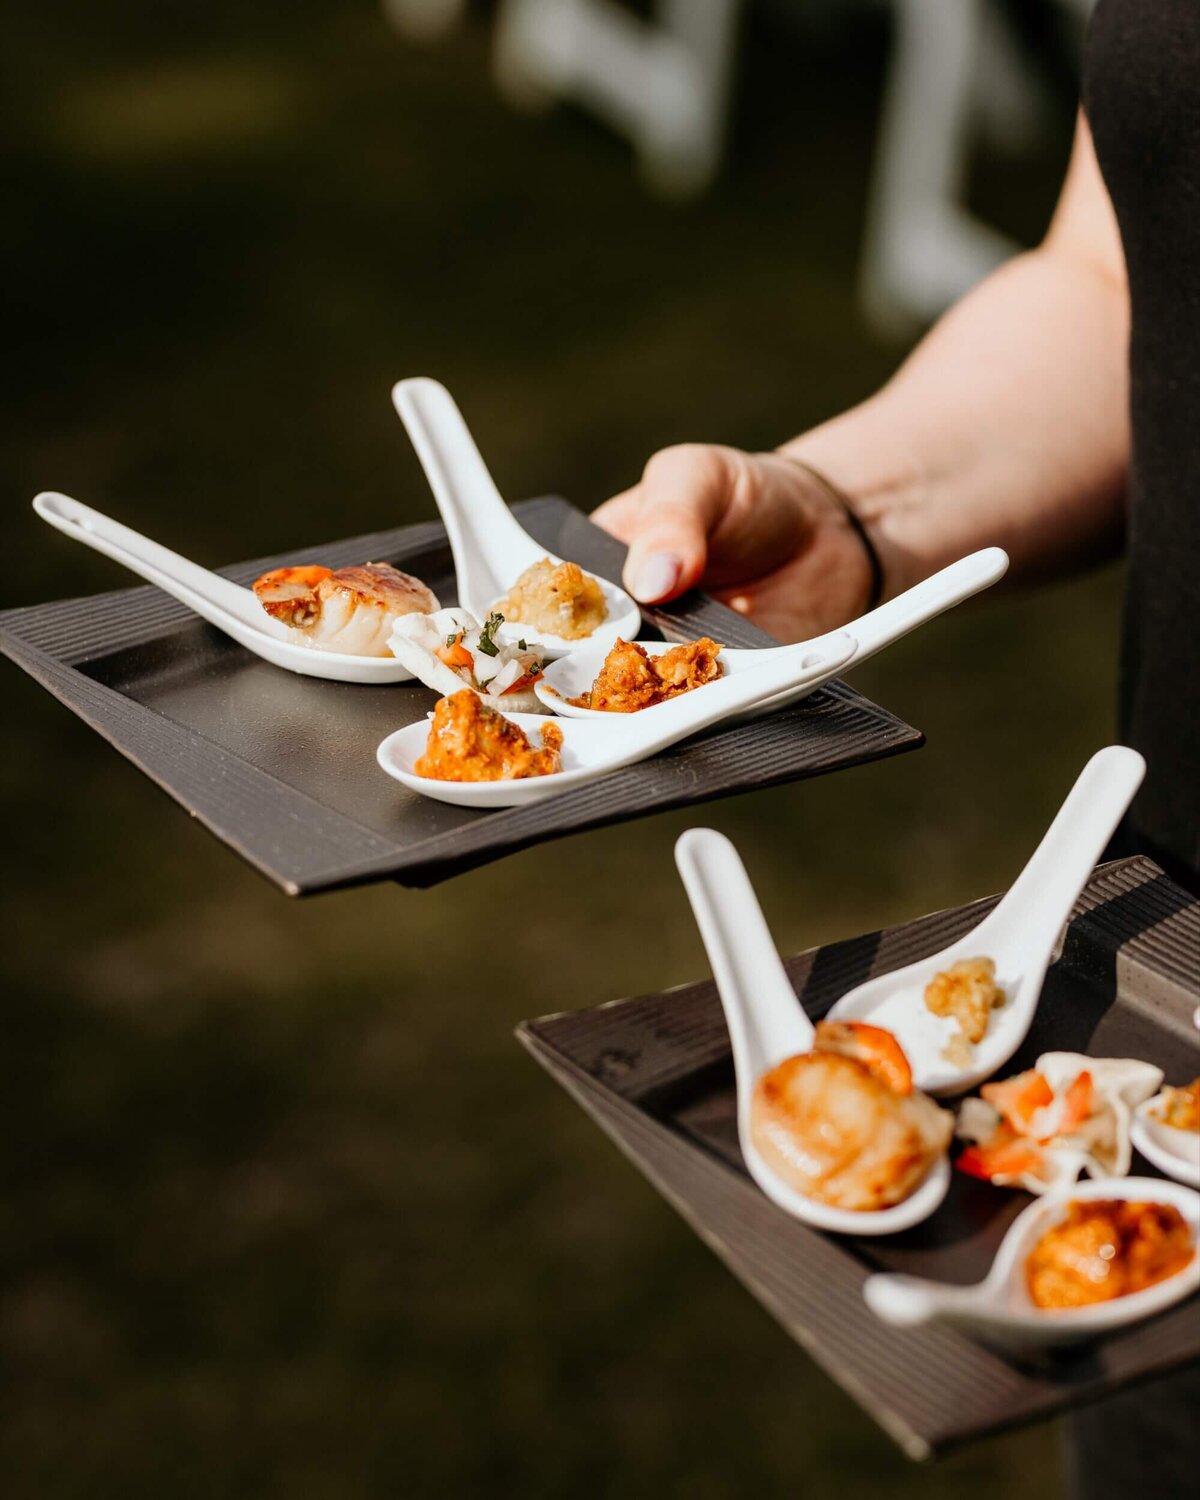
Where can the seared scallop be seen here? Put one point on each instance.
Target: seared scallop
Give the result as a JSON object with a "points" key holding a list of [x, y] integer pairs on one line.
{"points": [[835, 1129], [351, 610]]}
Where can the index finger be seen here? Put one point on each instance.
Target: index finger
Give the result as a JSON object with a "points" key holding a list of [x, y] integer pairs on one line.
{"points": [[618, 516], [682, 496]]}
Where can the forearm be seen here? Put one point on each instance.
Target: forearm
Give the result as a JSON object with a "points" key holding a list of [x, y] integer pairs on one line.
{"points": [[1007, 426]]}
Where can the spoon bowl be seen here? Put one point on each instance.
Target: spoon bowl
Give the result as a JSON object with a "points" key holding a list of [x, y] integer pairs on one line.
{"points": [[1000, 1308], [491, 549], [590, 751], [573, 675], [767, 1024], [1019, 935], [226, 605], [1173, 1151]]}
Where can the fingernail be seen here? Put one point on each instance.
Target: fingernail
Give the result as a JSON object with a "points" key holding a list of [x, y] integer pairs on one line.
{"points": [[656, 576]]}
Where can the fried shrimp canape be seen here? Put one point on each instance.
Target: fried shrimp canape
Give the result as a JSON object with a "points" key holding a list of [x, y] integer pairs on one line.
{"points": [[631, 678], [967, 991], [351, 610], [843, 1123], [557, 598], [1107, 1248], [468, 741]]}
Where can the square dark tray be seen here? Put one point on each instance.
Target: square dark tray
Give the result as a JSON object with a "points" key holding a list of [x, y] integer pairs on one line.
{"points": [[282, 768], [656, 1074]]}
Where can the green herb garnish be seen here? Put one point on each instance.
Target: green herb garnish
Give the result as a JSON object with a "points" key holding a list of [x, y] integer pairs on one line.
{"points": [[487, 636]]}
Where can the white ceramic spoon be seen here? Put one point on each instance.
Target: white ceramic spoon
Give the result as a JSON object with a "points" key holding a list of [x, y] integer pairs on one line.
{"points": [[1019, 935], [231, 608], [490, 547], [590, 751], [1173, 1151], [573, 675], [767, 1024], [1000, 1308]]}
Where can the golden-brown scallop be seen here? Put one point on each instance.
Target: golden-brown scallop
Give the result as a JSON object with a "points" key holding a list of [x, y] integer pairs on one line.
{"points": [[351, 610], [833, 1129]]}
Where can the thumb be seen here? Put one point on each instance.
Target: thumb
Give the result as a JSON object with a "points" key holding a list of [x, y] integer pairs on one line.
{"points": [[682, 496]]}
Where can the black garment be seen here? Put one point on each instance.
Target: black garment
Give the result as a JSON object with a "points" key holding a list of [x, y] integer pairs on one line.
{"points": [[1142, 95]]}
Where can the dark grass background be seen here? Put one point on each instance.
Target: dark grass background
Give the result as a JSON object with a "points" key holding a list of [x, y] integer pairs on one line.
{"points": [[285, 1210]]}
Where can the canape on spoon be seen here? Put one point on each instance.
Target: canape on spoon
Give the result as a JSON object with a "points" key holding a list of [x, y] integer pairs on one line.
{"points": [[590, 751], [1000, 1307], [1018, 936], [572, 676], [768, 1027], [1042, 1128], [230, 608], [1171, 1148], [490, 547]]}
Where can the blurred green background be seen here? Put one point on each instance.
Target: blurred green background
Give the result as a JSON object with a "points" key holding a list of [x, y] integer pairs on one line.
{"points": [[286, 1210]]}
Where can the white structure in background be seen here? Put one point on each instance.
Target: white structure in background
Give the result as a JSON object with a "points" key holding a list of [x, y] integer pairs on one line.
{"points": [[665, 85], [952, 66]]}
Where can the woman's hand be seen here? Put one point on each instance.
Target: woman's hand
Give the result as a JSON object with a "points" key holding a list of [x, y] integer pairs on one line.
{"points": [[754, 529], [1008, 426]]}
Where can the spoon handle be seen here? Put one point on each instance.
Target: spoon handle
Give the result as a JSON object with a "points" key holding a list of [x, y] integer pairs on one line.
{"points": [[1040, 899], [214, 598], [908, 1301], [486, 540], [765, 1019], [691, 712], [931, 597], [924, 601]]}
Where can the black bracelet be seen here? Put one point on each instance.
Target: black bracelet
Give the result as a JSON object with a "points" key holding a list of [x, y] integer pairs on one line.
{"points": [[856, 525]]}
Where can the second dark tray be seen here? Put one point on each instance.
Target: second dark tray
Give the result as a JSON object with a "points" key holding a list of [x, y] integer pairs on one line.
{"points": [[656, 1073], [282, 768]]}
